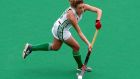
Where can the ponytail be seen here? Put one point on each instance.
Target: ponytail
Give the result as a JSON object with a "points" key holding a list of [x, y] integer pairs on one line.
{"points": [[76, 2]]}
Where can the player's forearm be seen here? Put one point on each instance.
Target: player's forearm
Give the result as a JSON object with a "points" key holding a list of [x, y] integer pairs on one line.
{"points": [[94, 9], [82, 36]]}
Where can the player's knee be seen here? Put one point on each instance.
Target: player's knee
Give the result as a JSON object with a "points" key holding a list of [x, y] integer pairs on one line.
{"points": [[55, 48], [76, 48]]}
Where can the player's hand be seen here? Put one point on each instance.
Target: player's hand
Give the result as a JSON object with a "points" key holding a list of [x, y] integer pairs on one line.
{"points": [[89, 47], [98, 24]]}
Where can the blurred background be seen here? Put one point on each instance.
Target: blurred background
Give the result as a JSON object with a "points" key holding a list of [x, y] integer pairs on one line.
{"points": [[115, 54]]}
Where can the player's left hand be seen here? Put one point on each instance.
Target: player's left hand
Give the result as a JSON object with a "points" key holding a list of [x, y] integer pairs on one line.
{"points": [[98, 24]]}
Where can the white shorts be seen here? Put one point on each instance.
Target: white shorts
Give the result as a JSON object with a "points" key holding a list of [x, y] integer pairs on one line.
{"points": [[59, 32]]}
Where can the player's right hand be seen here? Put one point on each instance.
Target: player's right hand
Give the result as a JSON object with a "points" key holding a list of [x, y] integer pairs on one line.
{"points": [[98, 24]]}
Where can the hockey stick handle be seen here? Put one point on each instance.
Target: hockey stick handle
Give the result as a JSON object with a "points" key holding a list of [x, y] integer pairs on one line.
{"points": [[92, 44], [88, 55], [94, 38]]}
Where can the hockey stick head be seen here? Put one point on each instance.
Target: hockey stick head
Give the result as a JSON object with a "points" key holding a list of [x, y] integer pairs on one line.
{"points": [[79, 76]]}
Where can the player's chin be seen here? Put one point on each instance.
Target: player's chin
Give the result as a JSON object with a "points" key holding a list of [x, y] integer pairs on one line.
{"points": [[81, 12]]}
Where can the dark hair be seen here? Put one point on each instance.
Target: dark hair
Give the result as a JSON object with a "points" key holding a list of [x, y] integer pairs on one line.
{"points": [[77, 2]]}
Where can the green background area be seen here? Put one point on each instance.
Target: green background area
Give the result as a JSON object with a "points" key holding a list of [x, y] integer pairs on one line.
{"points": [[115, 55]]}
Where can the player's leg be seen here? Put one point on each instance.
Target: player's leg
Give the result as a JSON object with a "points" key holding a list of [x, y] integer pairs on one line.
{"points": [[75, 46], [48, 46], [76, 54], [56, 45], [42, 47]]}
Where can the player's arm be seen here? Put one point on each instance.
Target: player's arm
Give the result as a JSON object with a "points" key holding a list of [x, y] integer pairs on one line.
{"points": [[93, 9], [71, 17], [99, 14]]}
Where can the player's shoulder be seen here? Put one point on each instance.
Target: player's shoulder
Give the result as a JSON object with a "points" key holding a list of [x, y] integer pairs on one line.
{"points": [[86, 6], [70, 13]]}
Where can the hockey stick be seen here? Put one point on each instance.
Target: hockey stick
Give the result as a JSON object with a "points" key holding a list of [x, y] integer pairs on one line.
{"points": [[87, 57]]}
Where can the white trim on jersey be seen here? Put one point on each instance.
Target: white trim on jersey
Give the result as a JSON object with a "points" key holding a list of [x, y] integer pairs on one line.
{"points": [[61, 27]]}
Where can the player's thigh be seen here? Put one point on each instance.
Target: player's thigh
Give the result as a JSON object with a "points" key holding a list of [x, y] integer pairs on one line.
{"points": [[56, 44], [72, 43]]}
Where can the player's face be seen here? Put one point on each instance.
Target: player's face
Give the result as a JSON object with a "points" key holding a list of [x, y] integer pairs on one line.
{"points": [[72, 2], [80, 8]]}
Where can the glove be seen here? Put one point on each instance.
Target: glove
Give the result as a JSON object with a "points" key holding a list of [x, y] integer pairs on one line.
{"points": [[98, 24]]}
